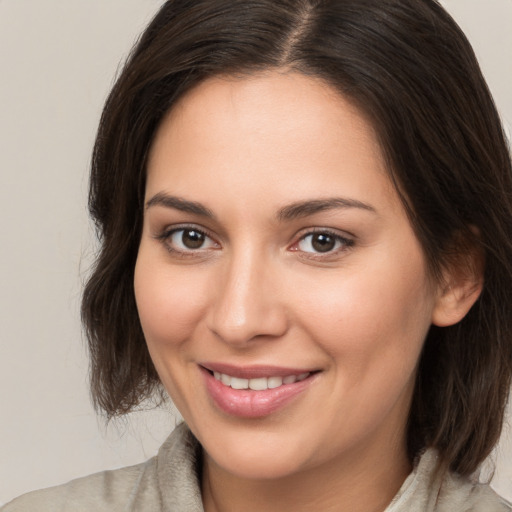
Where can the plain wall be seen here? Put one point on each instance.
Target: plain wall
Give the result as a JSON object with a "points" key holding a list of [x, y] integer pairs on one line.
{"points": [[57, 61]]}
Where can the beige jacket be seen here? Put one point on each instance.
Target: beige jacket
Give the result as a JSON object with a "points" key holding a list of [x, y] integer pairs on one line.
{"points": [[168, 483]]}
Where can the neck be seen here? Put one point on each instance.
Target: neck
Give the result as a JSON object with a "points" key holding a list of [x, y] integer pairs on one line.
{"points": [[363, 482]]}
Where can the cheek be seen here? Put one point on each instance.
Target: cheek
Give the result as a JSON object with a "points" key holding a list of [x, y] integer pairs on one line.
{"points": [[374, 317], [371, 324], [169, 306], [169, 311]]}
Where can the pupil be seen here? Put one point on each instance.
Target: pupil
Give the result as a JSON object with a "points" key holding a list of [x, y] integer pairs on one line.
{"points": [[192, 239], [323, 242]]}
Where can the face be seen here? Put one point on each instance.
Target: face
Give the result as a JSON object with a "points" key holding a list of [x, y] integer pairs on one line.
{"points": [[282, 292]]}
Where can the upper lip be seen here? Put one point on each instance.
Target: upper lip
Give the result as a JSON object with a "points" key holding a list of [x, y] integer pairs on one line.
{"points": [[254, 371]]}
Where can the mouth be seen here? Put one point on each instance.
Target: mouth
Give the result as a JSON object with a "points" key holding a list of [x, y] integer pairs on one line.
{"points": [[259, 383], [256, 391]]}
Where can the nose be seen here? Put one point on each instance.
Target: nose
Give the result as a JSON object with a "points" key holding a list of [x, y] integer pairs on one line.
{"points": [[248, 302]]}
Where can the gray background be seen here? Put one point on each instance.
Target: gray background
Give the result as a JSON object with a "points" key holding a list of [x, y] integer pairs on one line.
{"points": [[58, 59]]}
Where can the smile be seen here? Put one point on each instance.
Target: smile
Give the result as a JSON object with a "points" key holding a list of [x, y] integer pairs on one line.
{"points": [[255, 391], [258, 384]]}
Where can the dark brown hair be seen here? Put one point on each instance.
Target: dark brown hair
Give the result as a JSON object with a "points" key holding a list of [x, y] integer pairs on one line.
{"points": [[409, 68]]}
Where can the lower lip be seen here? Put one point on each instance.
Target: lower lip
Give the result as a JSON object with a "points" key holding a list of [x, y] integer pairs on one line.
{"points": [[246, 403]]}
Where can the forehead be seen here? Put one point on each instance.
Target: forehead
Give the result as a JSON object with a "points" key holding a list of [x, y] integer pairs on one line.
{"points": [[265, 132]]}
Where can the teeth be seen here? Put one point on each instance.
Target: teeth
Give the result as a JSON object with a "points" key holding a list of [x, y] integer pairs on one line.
{"points": [[258, 384], [237, 383], [274, 382]]}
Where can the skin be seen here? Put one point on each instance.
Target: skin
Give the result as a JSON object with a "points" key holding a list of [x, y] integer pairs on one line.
{"points": [[257, 293]]}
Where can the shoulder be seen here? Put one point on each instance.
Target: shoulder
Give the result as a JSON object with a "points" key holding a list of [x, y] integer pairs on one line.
{"points": [[131, 488], [427, 489], [105, 491], [457, 493]]}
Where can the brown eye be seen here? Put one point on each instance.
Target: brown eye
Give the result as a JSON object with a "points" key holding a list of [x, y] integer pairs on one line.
{"points": [[322, 242], [189, 240], [192, 239]]}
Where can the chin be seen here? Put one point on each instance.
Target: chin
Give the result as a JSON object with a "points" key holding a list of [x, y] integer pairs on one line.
{"points": [[259, 466], [256, 455]]}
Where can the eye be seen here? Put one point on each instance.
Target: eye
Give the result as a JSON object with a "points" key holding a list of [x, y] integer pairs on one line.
{"points": [[187, 240], [322, 242]]}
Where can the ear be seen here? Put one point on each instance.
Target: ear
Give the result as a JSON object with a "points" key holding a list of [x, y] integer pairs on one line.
{"points": [[460, 288]]}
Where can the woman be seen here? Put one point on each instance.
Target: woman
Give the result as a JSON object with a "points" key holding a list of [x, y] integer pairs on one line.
{"points": [[305, 210]]}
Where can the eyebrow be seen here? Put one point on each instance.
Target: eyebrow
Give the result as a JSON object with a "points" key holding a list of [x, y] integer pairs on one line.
{"points": [[289, 212], [167, 201], [306, 208]]}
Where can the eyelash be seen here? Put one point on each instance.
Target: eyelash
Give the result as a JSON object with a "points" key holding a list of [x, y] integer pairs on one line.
{"points": [[344, 242], [165, 236]]}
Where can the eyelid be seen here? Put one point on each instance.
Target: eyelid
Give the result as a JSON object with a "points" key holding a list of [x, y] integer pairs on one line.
{"points": [[347, 240], [166, 233]]}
